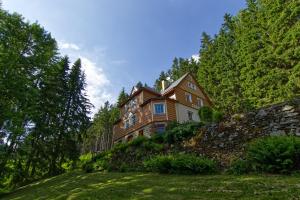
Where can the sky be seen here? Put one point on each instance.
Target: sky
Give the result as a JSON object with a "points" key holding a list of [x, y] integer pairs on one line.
{"points": [[121, 42]]}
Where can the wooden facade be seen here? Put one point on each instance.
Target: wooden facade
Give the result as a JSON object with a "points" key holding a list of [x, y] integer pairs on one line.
{"points": [[184, 94]]}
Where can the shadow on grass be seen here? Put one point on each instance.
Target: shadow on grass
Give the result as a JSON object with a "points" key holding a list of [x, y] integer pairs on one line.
{"points": [[138, 186]]}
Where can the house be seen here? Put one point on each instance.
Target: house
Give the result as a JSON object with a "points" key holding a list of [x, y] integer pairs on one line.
{"points": [[147, 111]]}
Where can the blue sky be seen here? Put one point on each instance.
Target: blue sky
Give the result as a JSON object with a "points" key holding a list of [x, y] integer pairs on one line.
{"points": [[121, 42]]}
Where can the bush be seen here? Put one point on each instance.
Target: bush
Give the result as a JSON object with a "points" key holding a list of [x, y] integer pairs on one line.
{"points": [[69, 165], [181, 132], [280, 154], [138, 141], [85, 158], [208, 115], [205, 114], [88, 167], [157, 138], [217, 116], [239, 167], [181, 164]]}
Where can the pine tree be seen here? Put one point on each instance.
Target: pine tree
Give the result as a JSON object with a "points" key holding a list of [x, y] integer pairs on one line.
{"points": [[123, 96]]}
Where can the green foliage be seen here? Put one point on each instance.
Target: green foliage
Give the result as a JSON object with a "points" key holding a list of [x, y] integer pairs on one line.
{"points": [[179, 67], [43, 106], [125, 156], [217, 116], [181, 164], [208, 115], [87, 167], [157, 138], [69, 165], [85, 158], [252, 61], [239, 167], [180, 132], [123, 96], [274, 154], [205, 114], [101, 129]]}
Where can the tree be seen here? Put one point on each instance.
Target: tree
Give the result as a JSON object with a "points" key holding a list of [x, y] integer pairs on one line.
{"points": [[123, 96], [43, 105], [100, 134], [163, 76], [254, 60], [139, 84]]}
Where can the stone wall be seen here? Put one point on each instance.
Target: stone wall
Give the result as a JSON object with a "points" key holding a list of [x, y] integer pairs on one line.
{"points": [[227, 140]]}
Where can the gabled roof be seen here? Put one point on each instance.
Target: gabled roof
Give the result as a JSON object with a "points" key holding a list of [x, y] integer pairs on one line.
{"points": [[174, 84], [136, 92]]}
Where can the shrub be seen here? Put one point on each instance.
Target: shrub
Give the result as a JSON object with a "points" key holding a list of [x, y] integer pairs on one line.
{"points": [[157, 138], [160, 163], [181, 164], [279, 154], [172, 125], [138, 141], [217, 116], [101, 161], [85, 158], [88, 167], [205, 114], [239, 167], [208, 115], [69, 165], [181, 132]]}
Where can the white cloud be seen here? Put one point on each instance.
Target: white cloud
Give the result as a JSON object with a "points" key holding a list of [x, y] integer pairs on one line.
{"points": [[97, 83], [69, 46], [196, 57]]}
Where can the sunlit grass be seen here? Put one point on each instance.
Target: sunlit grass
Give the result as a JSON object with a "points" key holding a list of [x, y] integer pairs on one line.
{"points": [[137, 186]]}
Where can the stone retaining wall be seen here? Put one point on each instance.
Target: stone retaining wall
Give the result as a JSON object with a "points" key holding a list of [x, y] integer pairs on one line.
{"points": [[227, 140]]}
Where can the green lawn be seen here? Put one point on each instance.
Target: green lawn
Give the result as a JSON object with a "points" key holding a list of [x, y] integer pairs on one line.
{"points": [[154, 186]]}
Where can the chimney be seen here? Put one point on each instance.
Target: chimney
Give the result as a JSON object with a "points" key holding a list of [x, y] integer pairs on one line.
{"points": [[163, 85]]}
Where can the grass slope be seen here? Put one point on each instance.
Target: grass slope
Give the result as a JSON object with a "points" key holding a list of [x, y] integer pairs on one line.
{"points": [[79, 185]]}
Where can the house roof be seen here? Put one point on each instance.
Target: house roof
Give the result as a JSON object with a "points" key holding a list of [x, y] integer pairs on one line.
{"points": [[174, 84], [138, 91]]}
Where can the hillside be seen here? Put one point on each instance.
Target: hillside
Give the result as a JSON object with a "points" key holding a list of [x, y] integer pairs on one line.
{"points": [[79, 185]]}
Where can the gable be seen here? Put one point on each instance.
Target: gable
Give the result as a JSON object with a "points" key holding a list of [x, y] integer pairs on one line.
{"points": [[190, 84]]}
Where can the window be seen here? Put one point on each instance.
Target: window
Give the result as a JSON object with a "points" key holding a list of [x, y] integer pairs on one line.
{"points": [[160, 128], [159, 108], [188, 97], [190, 115], [126, 124], [129, 138], [199, 102], [141, 132], [192, 85], [132, 120]]}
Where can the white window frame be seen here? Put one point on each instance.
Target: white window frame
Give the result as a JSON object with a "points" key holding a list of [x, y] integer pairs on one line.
{"points": [[190, 100], [164, 108], [201, 102]]}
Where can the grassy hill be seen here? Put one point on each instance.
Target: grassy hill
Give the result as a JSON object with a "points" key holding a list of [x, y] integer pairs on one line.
{"points": [[79, 185]]}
